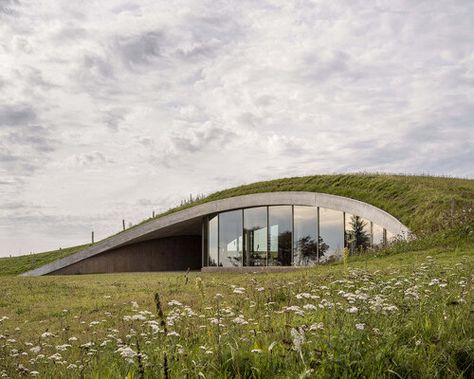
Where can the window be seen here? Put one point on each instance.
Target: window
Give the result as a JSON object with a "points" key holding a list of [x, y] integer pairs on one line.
{"points": [[331, 234], [285, 235], [357, 233], [306, 235], [255, 236], [230, 239], [377, 236], [281, 228], [212, 248]]}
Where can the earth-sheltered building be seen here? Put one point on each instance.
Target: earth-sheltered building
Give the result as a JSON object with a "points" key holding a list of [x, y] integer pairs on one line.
{"points": [[253, 231]]}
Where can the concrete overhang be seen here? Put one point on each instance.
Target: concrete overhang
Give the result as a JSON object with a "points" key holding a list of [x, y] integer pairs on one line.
{"points": [[188, 221]]}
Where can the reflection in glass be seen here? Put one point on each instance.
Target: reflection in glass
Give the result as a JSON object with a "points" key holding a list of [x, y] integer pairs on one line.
{"points": [[280, 224], [377, 236], [347, 230], [357, 233], [230, 239], [306, 227], [212, 247], [368, 230], [255, 236], [331, 234], [284, 235]]}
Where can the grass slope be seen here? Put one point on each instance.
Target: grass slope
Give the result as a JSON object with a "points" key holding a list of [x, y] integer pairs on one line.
{"points": [[420, 202], [425, 204], [396, 316], [23, 263]]}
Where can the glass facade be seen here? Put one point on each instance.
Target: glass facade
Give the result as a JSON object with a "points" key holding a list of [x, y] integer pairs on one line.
{"points": [[285, 235], [378, 239], [348, 230], [212, 233], [368, 231], [255, 236], [361, 234], [306, 234], [280, 222], [331, 234], [230, 239]]}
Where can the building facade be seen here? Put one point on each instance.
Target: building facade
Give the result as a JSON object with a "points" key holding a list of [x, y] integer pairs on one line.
{"points": [[276, 229], [286, 235]]}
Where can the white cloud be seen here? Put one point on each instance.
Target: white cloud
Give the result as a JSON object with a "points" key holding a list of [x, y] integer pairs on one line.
{"points": [[145, 102]]}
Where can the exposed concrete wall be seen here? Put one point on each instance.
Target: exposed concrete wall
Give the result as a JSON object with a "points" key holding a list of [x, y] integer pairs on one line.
{"points": [[177, 223], [166, 254]]}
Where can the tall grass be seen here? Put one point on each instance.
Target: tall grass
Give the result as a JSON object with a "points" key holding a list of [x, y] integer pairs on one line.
{"points": [[401, 315], [17, 265]]}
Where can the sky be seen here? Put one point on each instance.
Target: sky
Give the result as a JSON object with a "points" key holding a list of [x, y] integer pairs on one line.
{"points": [[110, 110]]}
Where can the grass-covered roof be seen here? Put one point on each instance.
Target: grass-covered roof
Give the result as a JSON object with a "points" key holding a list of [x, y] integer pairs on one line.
{"points": [[423, 203]]}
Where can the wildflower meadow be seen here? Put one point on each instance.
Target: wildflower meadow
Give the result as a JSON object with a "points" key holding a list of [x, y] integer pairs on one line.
{"points": [[400, 316]]}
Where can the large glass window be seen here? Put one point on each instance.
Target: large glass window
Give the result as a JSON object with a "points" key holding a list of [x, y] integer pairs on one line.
{"points": [[281, 226], [212, 248], [377, 236], [306, 235], [284, 235], [331, 234], [368, 230], [230, 239], [357, 233], [348, 230], [255, 236]]}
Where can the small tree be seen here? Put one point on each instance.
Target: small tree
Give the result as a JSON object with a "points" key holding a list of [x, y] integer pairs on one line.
{"points": [[357, 237]]}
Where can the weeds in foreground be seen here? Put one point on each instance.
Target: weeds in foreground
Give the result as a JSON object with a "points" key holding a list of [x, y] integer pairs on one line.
{"points": [[411, 320]]}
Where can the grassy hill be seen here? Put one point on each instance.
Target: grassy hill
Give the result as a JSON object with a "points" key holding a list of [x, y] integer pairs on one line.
{"points": [[23, 263], [398, 313], [437, 208], [423, 203]]}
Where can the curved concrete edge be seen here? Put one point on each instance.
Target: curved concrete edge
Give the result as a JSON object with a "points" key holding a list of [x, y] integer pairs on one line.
{"points": [[370, 212]]}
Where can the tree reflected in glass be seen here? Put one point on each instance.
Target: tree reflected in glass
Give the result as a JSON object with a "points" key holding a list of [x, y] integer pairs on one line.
{"points": [[308, 250], [358, 239]]}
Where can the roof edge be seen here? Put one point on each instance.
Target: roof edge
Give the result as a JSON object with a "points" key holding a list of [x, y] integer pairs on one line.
{"points": [[324, 200]]}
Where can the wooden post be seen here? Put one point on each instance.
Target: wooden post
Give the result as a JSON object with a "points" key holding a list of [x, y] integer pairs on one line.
{"points": [[92, 237], [123, 224], [153, 214]]}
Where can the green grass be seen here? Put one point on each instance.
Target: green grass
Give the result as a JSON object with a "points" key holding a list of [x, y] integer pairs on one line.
{"points": [[23, 263], [427, 205], [388, 316], [403, 312], [420, 202]]}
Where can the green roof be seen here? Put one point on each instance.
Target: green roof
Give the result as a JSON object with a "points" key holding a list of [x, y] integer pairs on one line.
{"points": [[425, 204]]}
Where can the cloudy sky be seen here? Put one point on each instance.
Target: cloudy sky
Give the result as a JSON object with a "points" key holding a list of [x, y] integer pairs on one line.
{"points": [[112, 109]]}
